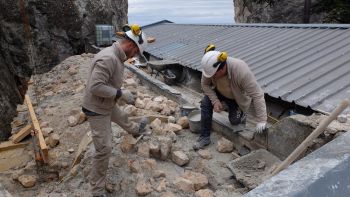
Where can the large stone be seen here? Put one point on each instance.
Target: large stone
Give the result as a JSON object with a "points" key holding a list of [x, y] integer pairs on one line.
{"points": [[171, 103], [171, 127], [199, 180], [165, 147], [154, 106], [184, 185], [171, 119], [158, 173], [143, 150], [183, 121], [204, 153], [134, 166], [179, 158], [27, 180], [224, 146], [143, 187], [53, 140], [72, 121], [140, 104], [128, 143], [204, 193], [159, 99], [166, 110], [162, 185], [154, 148], [46, 131], [149, 164], [156, 126]]}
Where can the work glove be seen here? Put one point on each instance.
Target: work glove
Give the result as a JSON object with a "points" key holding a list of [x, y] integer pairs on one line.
{"points": [[127, 97], [260, 127]]}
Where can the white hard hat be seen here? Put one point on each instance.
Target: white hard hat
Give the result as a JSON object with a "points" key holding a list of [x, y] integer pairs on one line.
{"points": [[211, 62], [135, 34]]}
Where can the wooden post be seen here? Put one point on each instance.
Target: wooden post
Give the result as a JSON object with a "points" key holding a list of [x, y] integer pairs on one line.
{"points": [[39, 134], [305, 144]]}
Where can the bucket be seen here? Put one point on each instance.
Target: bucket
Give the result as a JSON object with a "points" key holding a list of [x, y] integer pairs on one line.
{"points": [[194, 119], [186, 109]]}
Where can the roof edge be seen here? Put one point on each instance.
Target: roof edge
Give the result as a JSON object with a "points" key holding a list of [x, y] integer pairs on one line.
{"points": [[270, 25], [157, 23]]}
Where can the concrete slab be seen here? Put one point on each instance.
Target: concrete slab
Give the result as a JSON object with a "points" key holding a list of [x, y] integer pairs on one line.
{"points": [[252, 169], [325, 172]]}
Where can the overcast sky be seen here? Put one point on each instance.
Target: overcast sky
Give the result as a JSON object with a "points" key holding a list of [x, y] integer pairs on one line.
{"points": [[144, 12]]}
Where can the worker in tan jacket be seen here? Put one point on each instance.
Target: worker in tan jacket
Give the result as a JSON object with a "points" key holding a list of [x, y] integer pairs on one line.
{"points": [[229, 80], [99, 103]]}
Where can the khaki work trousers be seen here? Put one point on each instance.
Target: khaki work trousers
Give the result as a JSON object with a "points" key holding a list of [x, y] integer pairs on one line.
{"points": [[102, 139]]}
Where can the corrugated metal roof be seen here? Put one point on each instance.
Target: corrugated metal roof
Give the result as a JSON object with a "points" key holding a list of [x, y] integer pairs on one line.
{"points": [[305, 64]]}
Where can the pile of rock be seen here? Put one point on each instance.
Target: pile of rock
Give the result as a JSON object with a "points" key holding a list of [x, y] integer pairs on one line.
{"points": [[192, 181]]}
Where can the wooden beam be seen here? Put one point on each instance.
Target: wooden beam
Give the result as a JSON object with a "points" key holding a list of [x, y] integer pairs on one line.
{"points": [[39, 134], [21, 134], [8, 145]]}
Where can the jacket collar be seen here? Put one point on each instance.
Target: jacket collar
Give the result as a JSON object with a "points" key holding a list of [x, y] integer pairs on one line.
{"points": [[119, 51]]}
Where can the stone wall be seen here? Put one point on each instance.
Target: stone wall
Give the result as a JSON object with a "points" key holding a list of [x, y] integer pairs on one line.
{"points": [[283, 11]]}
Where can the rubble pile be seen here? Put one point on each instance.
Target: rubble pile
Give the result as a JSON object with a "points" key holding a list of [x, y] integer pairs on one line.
{"points": [[159, 163]]}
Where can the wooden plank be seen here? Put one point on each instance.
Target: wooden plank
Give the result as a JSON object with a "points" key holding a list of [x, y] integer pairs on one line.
{"points": [[8, 145], [21, 134], [39, 134]]}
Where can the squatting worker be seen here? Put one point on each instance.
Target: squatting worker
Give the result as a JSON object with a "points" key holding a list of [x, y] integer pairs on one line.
{"points": [[234, 84], [99, 103]]}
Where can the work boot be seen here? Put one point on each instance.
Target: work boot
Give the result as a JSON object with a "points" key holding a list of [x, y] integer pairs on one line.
{"points": [[203, 142]]}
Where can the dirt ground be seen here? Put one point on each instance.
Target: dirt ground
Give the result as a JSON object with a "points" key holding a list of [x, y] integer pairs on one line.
{"points": [[57, 95]]}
